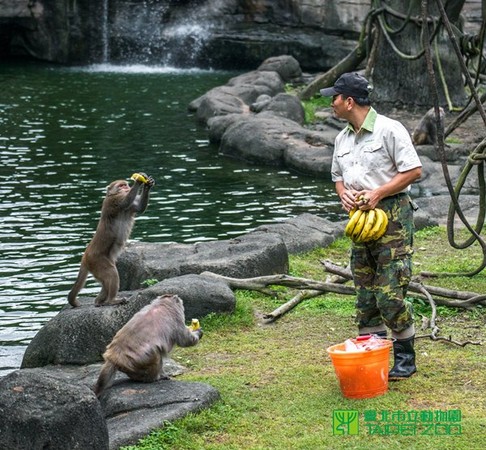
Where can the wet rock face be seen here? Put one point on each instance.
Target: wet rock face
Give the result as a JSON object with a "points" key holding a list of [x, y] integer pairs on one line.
{"points": [[221, 34], [211, 33]]}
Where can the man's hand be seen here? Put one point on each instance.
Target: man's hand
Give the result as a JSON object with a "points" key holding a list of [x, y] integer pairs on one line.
{"points": [[348, 199]]}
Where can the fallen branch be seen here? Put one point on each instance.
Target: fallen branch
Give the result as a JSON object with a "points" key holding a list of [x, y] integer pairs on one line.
{"points": [[433, 316], [286, 307], [417, 287], [462, 299], [347, 64], [449, 339], [311, 288], [259, 283]]}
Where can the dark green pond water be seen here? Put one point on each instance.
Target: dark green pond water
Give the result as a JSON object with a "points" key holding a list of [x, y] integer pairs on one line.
{"points": [[65, 133]]}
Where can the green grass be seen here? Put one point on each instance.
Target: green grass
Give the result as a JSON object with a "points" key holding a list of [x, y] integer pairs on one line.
{"points": [[312, 106], [277, 384]]}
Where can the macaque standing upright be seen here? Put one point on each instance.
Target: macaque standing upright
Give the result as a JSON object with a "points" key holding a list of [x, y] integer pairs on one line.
{"points": [[118, 212], [139, 347]]}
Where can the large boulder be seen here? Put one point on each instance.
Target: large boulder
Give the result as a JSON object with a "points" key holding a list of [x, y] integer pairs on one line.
{"points": [[218, 125], [236, 95], [249, 255], [39, 412], [285, 65], [432, 182], [133, 409], [305, 232], [80, 335], [276, 141], [434, 210], [54, 407], [219, 101], [285, 105]]}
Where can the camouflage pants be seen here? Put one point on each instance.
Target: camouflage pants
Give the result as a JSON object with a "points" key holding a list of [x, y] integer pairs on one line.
{"points": [[382, 270]]}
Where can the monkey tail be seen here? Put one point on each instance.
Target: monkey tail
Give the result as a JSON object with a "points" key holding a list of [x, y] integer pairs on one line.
{"points": [[105, 378], [78, 285]]}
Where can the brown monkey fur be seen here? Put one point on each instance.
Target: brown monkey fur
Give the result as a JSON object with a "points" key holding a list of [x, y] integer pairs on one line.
{"points": [[139, 347], [118, 212], [426, 130]]}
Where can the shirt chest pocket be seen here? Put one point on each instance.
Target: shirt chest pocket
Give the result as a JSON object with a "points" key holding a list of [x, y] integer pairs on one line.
{"points": [[343, 154], [374, 154]]}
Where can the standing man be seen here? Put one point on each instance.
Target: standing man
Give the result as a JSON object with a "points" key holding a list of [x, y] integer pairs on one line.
{"points": [[374, 158]]}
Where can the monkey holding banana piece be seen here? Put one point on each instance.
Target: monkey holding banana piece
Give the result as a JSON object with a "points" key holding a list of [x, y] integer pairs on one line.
{"points": [[118, 212], [138, 349]]}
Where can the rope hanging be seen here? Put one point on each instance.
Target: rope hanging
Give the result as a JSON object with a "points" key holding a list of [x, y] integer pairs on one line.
{"points": [[477, 157]]}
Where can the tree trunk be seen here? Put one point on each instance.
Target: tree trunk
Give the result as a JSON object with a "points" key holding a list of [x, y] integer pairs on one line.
{"points": [[405, 81]]}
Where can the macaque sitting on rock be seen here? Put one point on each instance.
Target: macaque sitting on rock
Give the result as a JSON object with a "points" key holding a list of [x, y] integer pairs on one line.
{"points": [[139, 347], [118, 212], [426, 130]]}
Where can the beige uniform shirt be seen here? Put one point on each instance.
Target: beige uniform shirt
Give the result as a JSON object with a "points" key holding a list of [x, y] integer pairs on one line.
{"points": [[372, 157]]}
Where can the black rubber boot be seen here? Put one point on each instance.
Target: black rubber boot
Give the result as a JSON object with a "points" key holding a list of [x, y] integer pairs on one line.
{"points": [[404, 356]]}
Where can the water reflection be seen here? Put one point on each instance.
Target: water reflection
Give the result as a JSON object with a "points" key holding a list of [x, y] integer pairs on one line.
{"points": [[65, 133]]}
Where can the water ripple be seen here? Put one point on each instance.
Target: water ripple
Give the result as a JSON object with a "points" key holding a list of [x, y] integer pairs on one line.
{"points": [[68, 132]]}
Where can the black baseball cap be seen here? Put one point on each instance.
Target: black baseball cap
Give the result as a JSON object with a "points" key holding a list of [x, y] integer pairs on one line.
{"points": [[351, 84]]}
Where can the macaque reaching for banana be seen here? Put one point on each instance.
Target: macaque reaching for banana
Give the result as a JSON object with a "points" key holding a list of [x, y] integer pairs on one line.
{"points": [[138, 349], [118, 212]]}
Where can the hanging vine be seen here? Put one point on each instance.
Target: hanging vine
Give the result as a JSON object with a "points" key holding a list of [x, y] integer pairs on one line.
{"points": [[477, 157]]}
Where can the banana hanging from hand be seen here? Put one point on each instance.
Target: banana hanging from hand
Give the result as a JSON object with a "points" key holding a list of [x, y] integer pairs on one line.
{"points": [[380, 226], [348, 231], [359, 226], [366, 226]]}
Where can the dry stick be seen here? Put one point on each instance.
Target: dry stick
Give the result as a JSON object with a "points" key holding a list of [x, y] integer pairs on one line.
{"points": [[462, 299], [433, 316], [347, 64], [330, 267], [435, 328], [258, 283], [312, 289], [286, 307]]}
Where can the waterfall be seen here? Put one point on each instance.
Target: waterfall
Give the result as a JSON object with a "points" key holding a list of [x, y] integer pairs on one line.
{"points": [[105, 38], [184, 41], [159, 32]]}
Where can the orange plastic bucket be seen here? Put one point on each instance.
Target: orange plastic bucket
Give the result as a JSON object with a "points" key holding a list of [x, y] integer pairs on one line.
{"points": [[361, 374]]}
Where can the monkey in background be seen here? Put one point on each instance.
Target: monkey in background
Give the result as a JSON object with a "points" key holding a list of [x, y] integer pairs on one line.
{"points": [[426, 130], [139, 347], [118, 212]]}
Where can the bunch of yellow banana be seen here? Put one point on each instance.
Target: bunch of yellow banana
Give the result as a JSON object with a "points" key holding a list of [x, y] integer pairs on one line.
{"points": [[194, 325], [139, 177], [366, 226]]}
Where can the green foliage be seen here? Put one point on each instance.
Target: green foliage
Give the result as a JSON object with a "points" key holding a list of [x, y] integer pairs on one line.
{"points": [[429, 232], [453, 140], [241, 318], [310, 106], [162, 439], [313, 105], [149, 282]]}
